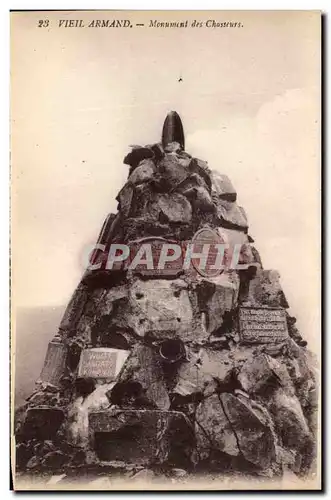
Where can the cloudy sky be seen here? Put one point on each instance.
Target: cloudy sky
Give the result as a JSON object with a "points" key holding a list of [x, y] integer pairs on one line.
{"points": [[249, 102]]}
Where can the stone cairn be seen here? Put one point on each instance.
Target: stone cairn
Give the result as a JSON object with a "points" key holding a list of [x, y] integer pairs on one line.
{"points": [[178, 369]]}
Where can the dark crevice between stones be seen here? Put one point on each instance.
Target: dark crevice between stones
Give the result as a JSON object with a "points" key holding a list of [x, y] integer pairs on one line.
{"points": [[230, 385], [84, 386], [186, 404], [129, 394], [245, 277], [227, 324], [105, 334], [108, 444], [105, 278]]}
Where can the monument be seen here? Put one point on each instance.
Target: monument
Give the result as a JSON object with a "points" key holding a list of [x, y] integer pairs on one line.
{"points": [[197, 368]]}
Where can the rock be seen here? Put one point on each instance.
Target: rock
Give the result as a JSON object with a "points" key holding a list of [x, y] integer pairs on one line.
{"points": [[191, 182], [74, 309], [201, 168], [178, 473], [216, 342], [157, 150], [275, 349], [23, 455], [138, 154], [144, 475], [143, 173], [217, 364], [43, 397], [105, 233], [236, 239], [110, 297], [216, 296], [239, 392], [195, 188], [231, 215], [253, 434], [33, 463], [213, 429], [192, 377], [265, 289], [103, 333], [203, 200], [175, 208], [125, 199], [54, 459], [144, 366], [262, 373], [161, 308], [172, 171], [222, 187], [42, 422], [256, 256], [139, 437], [142, 197], [172, 147], [142, 227], [289, 420]]}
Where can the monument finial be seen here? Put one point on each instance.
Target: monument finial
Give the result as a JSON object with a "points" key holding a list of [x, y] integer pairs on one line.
{"points": [[173, 130]]}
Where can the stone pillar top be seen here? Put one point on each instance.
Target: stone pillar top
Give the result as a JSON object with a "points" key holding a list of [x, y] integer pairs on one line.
{"points": [[173, 130]]}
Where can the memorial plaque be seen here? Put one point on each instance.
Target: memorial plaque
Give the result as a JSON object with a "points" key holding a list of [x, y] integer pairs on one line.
{"points": [[101, 362], [262, 325], [207, 236], [54, 363], [170, 268]]}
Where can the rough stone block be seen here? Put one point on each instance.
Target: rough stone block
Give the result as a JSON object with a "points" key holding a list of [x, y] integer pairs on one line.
{"points": [[202, 372], [216, 296], [222, 186], [233, 237], [42, 423], [138, 154], [231, 215], [201, 168], [144, 366], [143, 173], [173, 207], [261, 373], [55, 363], [172, 147], [265, 289], [140, 437], [213, 429], [74, 309], [125, 197], [172, 171], [251, 427], [289, 420], [161, 308]]}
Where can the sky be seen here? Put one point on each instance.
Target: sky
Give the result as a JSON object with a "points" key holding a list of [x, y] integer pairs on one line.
{"points": [[250, 105]]}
